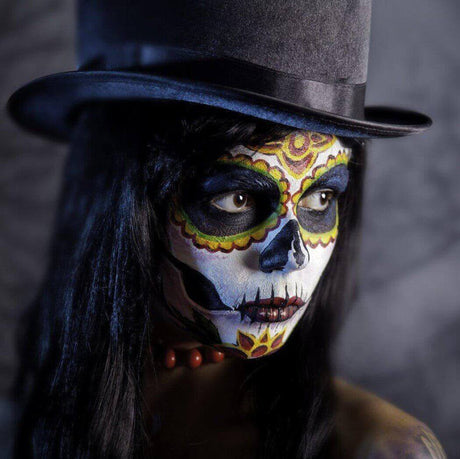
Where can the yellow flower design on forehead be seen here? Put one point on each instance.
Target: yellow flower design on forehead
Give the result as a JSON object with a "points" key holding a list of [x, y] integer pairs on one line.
{"points": [[323, 239], [297, 151]]}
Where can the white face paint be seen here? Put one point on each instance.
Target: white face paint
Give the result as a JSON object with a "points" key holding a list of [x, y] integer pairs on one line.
{"points": [[250, 240]]}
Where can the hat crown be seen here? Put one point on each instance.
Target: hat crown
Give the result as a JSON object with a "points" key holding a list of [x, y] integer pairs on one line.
{"points": [[322, 40], [299, 63]]}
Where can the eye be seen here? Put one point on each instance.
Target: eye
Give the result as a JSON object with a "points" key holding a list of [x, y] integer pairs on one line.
{"points": [[234, 202], [318, 200]]}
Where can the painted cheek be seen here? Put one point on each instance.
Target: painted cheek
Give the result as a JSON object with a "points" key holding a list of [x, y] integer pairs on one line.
{"points": [[320, 256], [179, 246], [184, 250]]}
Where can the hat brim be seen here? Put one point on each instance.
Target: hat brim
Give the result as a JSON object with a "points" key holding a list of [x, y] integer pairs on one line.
{"points": [[45, 105]]}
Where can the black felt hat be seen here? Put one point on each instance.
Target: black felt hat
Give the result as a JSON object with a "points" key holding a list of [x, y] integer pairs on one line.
{"points": [[301, 63]]}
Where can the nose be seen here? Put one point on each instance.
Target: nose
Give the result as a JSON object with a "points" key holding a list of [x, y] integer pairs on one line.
{"points": [[286, 251]]}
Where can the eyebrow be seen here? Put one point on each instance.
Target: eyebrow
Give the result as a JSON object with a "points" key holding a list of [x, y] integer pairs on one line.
{"points": [[236, 177], [336, 177]]}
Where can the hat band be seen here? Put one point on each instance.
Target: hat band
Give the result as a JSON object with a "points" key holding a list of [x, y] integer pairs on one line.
{"points": [[338, 98]]}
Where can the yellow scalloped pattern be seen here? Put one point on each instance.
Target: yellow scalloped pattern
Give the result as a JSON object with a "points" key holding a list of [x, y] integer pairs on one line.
{"points": [[297, 152], [323, 239], [242, 240]]}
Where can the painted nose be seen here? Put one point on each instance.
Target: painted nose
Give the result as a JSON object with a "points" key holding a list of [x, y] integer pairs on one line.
{"points": [[286, 251]]}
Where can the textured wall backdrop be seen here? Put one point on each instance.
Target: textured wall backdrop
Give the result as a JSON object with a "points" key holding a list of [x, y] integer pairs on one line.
{"points": [[400, 339]]}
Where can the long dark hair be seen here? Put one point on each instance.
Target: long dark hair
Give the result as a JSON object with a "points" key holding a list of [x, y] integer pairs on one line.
{"points": [[86, 337]]}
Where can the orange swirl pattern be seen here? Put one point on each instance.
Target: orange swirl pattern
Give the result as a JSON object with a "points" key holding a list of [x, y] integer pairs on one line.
{"points": [[251, 346]]}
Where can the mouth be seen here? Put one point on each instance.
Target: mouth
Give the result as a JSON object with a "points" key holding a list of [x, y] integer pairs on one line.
{"points": [[273, 309]]}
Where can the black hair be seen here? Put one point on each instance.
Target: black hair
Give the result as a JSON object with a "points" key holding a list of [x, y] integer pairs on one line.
{"points": [[86, 337]]}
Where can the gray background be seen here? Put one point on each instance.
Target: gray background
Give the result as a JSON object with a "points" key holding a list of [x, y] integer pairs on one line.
{"points": [[400, 339]]}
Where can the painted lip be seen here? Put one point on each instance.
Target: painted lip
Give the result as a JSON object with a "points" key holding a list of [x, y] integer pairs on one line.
{"points": [[273, 309]]}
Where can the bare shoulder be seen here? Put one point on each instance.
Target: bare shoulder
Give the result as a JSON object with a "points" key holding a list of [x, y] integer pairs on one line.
{"points": [[370, 428]]}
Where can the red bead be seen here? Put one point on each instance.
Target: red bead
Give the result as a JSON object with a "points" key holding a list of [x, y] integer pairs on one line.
{"points": [[170, 358], [213, 355], [194, 358]]}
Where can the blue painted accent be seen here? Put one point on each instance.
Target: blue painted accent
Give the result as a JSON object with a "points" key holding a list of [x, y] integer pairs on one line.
{"points": [[276, 255]]}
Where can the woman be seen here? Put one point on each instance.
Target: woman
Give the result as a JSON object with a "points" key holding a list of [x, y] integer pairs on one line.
{"points": [[110, 241], [101, 384], [202, 256]]}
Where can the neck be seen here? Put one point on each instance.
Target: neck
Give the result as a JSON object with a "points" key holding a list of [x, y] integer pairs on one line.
{"points": [[202, 404], [168, 334], [213, 386]]}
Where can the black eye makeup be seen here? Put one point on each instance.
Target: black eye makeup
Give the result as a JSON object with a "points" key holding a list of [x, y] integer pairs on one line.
{"points": [[317, 207], [230, 200]]}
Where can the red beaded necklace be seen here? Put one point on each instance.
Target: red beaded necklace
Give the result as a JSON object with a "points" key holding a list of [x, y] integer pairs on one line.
{"points": [[192, 358]]}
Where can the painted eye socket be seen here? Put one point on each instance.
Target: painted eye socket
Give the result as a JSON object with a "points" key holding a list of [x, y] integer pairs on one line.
{"points": [[318, 200], [234, 202]]}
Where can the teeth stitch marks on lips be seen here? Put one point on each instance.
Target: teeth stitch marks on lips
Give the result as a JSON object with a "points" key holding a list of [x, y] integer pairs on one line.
{"points": [[272, 308]]}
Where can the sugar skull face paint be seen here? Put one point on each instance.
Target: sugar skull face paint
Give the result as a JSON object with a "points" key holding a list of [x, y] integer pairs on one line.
{"points": [[250, 239]]}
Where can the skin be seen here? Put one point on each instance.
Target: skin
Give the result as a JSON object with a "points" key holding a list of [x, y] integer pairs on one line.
{"points": [[249, 242], [294, 173], [371, 428], [214, 423], [211, 417], [206, 420]]}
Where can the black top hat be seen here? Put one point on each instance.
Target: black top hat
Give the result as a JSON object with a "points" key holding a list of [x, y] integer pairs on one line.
{"points": [[298, 63]]}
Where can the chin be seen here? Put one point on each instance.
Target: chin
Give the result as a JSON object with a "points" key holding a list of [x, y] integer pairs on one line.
{"points": [[256, 336], [257, 326]]}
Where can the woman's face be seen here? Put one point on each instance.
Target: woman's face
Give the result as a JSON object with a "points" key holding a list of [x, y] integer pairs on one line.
{"points": [[250, 239]]}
